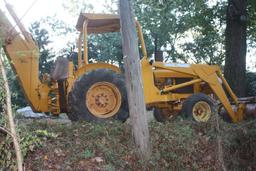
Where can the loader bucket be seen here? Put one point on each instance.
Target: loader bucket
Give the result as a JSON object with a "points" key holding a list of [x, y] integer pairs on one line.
{"points": [[249, 110]]}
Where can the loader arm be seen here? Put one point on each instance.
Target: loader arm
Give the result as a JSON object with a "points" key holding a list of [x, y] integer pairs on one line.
{"points": [[211, 75], [23, 54]]}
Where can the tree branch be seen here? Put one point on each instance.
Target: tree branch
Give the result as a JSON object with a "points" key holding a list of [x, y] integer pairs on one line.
{"points": [[6, 131]]}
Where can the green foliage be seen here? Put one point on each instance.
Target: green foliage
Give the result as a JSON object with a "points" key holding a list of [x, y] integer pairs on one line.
{"points": [[17, 97], [41, 35], [74, 7], [250, 84], [7, 157], [178, 145], [188, 31], [106, 48], [87, 153], [45, 133], [252, 20], [2, 96], [57, 26], [166, 25], [29, 142]]}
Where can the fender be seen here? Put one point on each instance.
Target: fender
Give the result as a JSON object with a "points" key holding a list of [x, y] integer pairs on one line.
{"points": [[94, 66]]}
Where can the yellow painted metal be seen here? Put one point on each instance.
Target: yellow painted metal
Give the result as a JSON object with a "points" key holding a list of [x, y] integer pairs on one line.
{"points": [[79, 45], [23, 54], [85, 43], [163, 73], [240, 111], [199, 73], [167, 89], [103, 99], [71, 77], [141, 39], [197, 87], [201, 111], [209, 75], [94, 66], [232, 94], [151, 93], [183, 70]]}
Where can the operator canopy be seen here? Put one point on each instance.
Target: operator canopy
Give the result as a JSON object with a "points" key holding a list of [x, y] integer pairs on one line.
{"points": [[99, 23]]}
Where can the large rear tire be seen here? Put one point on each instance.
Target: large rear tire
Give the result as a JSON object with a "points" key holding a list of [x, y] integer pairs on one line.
{"points": [[99, 95]]}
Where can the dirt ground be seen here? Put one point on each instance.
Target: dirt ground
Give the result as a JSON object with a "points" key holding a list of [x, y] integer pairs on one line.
{"points": [[177, 145]]}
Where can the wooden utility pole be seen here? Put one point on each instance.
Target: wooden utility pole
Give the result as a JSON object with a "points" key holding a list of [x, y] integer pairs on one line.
{"points": [[133, 78]]}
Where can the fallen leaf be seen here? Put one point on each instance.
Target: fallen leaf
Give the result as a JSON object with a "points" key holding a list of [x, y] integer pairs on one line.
{"points": [[98, 159]]}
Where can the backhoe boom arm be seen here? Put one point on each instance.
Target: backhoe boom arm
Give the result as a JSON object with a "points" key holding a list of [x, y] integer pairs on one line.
{"points": [[23, 53]]}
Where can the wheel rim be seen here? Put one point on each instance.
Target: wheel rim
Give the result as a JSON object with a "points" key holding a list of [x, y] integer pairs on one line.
{"points": [[103, 99], [201, 111]]}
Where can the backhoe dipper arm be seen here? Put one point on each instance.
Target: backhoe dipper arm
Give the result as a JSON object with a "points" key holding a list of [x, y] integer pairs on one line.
{"points": [[23, 53]]}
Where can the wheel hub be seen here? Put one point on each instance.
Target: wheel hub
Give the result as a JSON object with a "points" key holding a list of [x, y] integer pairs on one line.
{"points": [[201, 111], [103, 99]]}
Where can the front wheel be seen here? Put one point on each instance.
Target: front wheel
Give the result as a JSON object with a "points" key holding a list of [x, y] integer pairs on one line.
{"points": [[199, 107], [158, 115], [98, 96]]}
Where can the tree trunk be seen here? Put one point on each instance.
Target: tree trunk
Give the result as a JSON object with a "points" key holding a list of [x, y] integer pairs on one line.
{"points": [[133, 79], [158, 53], [235, 62], [10, 117]]}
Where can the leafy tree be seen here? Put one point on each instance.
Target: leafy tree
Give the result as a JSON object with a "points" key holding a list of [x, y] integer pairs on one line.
{"points": [[17, 97], [106, 48], [251, 24], [101, 47], [240, 37], [250, 84], [41, 35], [56, 26], [74, 7], [187, 31]]}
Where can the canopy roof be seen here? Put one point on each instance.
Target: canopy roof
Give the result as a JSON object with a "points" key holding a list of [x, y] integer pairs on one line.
{"points": [[99, 23]]}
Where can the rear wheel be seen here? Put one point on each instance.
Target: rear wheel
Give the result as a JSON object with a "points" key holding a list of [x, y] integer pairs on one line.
{"points": [[98, 96], [199, 107]]}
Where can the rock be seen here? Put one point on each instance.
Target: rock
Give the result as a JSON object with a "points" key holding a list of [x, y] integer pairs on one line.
{"points": [[28, 113]]}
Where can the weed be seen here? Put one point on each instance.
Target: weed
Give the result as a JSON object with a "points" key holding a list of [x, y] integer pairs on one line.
{"points": [[87, 154]]}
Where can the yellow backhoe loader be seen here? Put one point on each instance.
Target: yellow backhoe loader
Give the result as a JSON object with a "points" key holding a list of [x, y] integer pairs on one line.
{"points": [[96, 91]]}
